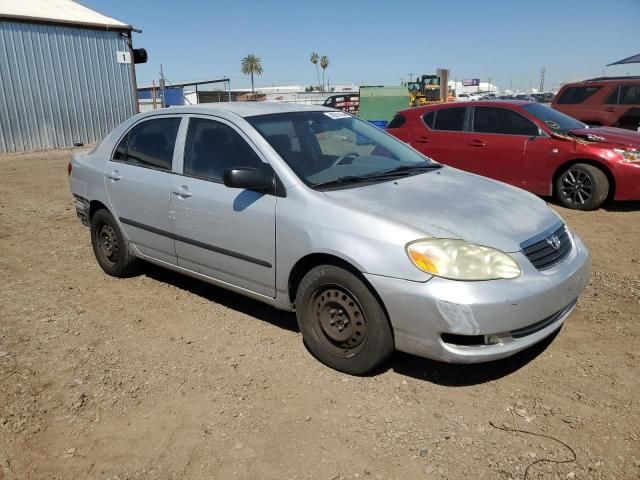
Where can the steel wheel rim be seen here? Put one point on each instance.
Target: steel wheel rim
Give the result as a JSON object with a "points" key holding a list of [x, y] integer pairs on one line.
{"points": [[107, 243], [576, 186], [338, 320]]}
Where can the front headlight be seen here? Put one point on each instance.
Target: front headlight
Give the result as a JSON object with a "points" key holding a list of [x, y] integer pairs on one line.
{"points": [[628, 155], [460, 260]]}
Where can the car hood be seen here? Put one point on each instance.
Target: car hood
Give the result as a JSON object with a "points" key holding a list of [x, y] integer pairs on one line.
{"points": [[449, 203], [616, 136]]}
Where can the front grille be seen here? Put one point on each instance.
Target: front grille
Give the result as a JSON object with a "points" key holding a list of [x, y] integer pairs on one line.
{"points": [[549, 250]]}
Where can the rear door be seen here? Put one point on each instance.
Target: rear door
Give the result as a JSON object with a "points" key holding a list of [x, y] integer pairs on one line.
{"points": [[440, 134], [138, 178], [622, 106], [224, 233], [399, 128], [496, 146]]}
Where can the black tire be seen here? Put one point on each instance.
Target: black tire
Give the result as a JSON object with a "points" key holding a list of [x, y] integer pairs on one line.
{"points": [[342, 323], [111, 249], [582, 187]]}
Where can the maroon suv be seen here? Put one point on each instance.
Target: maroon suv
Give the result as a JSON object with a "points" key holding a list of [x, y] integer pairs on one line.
{"points": [[605, 101]]}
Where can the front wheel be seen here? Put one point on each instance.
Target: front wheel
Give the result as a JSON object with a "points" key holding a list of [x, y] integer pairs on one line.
{"points": [[341, 321], [582, 187]]}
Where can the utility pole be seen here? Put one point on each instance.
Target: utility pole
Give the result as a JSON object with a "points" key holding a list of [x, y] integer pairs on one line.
{"points": [[542, 72], [489, 85], [410, 77], [163, 104]]}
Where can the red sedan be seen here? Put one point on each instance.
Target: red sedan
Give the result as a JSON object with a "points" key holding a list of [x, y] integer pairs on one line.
{"points": [[528, 145]]}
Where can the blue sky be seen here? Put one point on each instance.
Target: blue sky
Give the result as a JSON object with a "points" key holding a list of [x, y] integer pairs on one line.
{"points": [[380, 42]]}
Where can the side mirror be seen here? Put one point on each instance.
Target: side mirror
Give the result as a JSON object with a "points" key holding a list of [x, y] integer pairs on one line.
{"points": [[247, 178]]}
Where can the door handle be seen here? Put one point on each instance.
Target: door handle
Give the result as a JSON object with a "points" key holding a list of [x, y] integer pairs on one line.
{"points": [[182, 192], [422, 140], [477, 143], [114, 176], [610, 109]]}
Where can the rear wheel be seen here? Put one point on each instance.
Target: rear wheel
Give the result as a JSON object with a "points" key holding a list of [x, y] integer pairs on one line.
{"points": [[341, 321], [112, 251], [582, 187]]}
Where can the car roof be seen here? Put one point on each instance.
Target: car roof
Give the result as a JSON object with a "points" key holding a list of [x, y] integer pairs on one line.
{"points": [[474, 103], [242, 109], [604, 81]]}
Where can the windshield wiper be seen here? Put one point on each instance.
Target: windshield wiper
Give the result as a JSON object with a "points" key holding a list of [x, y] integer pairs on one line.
{"points": [[341, 181], [405, 169], [392, 172]]}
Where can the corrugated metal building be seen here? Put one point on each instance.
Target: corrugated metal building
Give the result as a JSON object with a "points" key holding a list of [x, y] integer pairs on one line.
{"points": [[66, 74]]}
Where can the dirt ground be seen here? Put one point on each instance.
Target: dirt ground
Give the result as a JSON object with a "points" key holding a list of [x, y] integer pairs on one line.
{"points": [[163, 377]]}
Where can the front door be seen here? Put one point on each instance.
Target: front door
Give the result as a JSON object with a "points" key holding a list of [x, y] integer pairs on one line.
{"points": [[496, 146], [138, 179], [224, 233]]}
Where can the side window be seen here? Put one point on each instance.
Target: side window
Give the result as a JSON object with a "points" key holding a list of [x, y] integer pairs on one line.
{"points": [[120, 155], [450, 119], [629, 95], [212, 147], [502, 120], [397, 121], [574, 95], [149, 144], [428, 118]]}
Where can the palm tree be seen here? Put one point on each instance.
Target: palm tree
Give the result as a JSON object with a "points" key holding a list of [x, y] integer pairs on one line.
{"points": [[314, 59], [251, 65], [324, 63]]}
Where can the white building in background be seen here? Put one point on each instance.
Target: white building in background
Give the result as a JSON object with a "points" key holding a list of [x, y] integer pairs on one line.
{"points": [[484, 87]]}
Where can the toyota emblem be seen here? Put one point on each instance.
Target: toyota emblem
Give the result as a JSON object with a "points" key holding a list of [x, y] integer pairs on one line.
{"points": [[554, 241]]}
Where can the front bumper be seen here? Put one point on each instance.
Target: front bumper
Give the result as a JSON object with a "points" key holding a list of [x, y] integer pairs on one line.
{"points": [[512, 314]]}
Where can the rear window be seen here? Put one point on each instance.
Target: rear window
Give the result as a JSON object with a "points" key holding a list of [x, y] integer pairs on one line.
{"points": [[149, 144], [451, 119], [574, 95], [397, 121]]}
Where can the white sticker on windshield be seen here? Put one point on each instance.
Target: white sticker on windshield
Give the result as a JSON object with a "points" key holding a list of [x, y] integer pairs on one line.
{"points": [[336, 115], [552, 124]]}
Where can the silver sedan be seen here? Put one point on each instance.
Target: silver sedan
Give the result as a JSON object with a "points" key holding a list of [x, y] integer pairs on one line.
{"points": [[374, 246]]}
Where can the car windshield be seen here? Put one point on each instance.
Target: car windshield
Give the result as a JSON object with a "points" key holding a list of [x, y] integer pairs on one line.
{"points": [[329, 149], [555, 120]]}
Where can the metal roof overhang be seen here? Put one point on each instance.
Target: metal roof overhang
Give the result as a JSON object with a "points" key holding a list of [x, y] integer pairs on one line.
{"points": [[68, 23], [631, 59]]}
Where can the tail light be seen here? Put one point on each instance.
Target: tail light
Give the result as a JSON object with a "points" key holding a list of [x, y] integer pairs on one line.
{"points": [[69, 168]]}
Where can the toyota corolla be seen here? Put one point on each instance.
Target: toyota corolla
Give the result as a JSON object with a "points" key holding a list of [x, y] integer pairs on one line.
{"points": [[373, 245]]}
